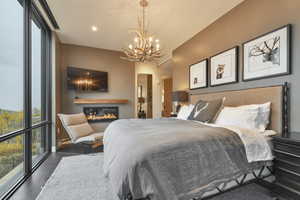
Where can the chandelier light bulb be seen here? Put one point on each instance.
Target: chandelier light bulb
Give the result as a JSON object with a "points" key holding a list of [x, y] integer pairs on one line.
{"points": [[157, 46], [136, 39], [94, 28], [157, 40], [150, 39], [130, 46]]}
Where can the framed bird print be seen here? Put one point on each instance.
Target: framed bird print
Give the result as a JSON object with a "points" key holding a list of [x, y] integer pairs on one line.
{"points": [[198, 75]]}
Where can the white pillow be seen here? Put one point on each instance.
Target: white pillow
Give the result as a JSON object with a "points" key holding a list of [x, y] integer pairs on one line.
{"points": [[263, 118], [73, 119], [81, 130], [185, 112], [269, 133], [244, 118]]}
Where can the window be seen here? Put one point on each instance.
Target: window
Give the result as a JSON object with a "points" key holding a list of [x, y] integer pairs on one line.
{"points": [[11, 66], [25, 92], [11, 162], [38, 144], [11, 88], [36, 60]]}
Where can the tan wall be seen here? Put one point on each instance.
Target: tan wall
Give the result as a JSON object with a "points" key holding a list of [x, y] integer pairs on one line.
{"points": [[166, 69], [246, 21], [120, 78]]}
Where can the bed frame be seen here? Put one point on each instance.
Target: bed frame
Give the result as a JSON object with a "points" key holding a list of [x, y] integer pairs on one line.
{"points": [[278, 95]]}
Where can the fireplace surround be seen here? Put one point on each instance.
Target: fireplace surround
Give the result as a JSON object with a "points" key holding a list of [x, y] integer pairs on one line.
{"points": [[101, 113]]}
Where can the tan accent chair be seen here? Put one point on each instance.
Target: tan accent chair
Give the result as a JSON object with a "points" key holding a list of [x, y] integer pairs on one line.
{"points": [[79, 130]]}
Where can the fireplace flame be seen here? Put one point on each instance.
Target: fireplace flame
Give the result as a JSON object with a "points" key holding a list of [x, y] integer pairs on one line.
{"points": [[99, 117]]}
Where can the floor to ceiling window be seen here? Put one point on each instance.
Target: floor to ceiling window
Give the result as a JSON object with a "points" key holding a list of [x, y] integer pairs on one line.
{"points": [[25, 92]]}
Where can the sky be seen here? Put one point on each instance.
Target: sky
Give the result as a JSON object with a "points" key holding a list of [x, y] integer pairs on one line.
{"points": [[11, 58]]}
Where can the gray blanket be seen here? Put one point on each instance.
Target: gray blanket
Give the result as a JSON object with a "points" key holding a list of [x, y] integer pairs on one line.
{"points": [[169, 159]]}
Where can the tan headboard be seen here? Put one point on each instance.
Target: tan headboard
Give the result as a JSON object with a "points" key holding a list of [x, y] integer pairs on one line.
{"points": [[273, 94]]}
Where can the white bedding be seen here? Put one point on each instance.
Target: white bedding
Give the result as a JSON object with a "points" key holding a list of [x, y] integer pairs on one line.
{"points": [[256, 143]]}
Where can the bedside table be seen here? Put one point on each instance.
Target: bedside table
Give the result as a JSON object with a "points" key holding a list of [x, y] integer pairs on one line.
{"points": [[287, 166]]}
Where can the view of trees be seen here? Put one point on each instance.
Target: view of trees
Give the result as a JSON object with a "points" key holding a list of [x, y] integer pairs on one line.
{"points": [[11, 151], [10, 121]]}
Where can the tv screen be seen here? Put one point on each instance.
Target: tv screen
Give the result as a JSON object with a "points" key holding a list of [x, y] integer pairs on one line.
{"points": [[87, 80]]}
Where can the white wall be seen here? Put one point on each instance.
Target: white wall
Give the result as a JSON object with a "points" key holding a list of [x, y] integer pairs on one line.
{"points": [[56, 86], [150, 68], [142, 81]]}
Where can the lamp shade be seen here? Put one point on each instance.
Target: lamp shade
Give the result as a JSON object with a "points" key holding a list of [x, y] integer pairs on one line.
{"points": [[180, 96], [141, 100]]}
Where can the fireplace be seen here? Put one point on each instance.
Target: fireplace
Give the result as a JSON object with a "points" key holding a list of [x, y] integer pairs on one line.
{"points": [[101, 114]]}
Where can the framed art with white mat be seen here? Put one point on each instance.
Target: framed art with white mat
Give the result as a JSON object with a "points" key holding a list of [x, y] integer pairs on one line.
{"points": [[198, 75], [224, 67], [267, 55]]}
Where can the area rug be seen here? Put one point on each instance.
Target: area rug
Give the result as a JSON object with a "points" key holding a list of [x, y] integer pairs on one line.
{"points": [[78, 178], [81, 178]]}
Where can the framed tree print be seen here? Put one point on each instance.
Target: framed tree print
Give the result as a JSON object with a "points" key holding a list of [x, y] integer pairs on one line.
{"points": [[267, 55], [224, 67], [198, 75]]}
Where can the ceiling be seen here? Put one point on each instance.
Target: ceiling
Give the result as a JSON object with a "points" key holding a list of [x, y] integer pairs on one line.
{"points": [[172, 21]]}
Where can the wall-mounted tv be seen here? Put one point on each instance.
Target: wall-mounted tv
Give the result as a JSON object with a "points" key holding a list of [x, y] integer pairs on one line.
{"points": [[87, 80]]}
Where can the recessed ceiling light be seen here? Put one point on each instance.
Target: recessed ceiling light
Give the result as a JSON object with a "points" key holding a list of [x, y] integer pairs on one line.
{"points": [[94, 28]]}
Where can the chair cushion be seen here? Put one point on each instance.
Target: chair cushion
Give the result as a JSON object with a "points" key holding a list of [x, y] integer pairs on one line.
{"points": [[90, 138], [73, 119], [80, 130]]}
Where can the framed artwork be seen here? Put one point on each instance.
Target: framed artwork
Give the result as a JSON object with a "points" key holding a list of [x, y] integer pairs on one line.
{"points": [[267, 55], [198, 75], [224, 67]]}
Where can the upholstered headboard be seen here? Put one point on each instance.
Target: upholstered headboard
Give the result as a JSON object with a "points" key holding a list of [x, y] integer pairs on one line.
{"points": [[273, 94]]}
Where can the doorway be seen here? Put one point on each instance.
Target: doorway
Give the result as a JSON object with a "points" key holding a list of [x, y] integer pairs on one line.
{"points": [[145, 95], [167, 97]]}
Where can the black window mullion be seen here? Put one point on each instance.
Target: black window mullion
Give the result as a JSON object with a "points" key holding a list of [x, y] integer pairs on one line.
{"points": [[27, 87], [48, 94]]}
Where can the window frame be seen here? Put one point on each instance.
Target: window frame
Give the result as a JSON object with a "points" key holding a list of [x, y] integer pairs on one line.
{"points": [[31, 13]]}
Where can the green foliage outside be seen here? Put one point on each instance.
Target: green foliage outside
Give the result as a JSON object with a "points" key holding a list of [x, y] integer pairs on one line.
{"points": [[10, 121], [11, 151]]}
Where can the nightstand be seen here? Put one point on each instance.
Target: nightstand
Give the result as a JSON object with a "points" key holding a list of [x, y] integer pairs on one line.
{"points": [[287, 166]]}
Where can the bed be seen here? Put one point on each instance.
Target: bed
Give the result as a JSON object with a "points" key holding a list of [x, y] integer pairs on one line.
{"points": [[170, 159]]}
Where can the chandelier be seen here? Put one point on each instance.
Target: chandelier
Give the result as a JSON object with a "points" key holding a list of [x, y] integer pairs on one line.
{"points": [[145, 47]]}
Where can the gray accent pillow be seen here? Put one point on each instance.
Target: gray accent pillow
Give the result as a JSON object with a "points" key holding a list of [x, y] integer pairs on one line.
{"points": [[206, 111]]}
